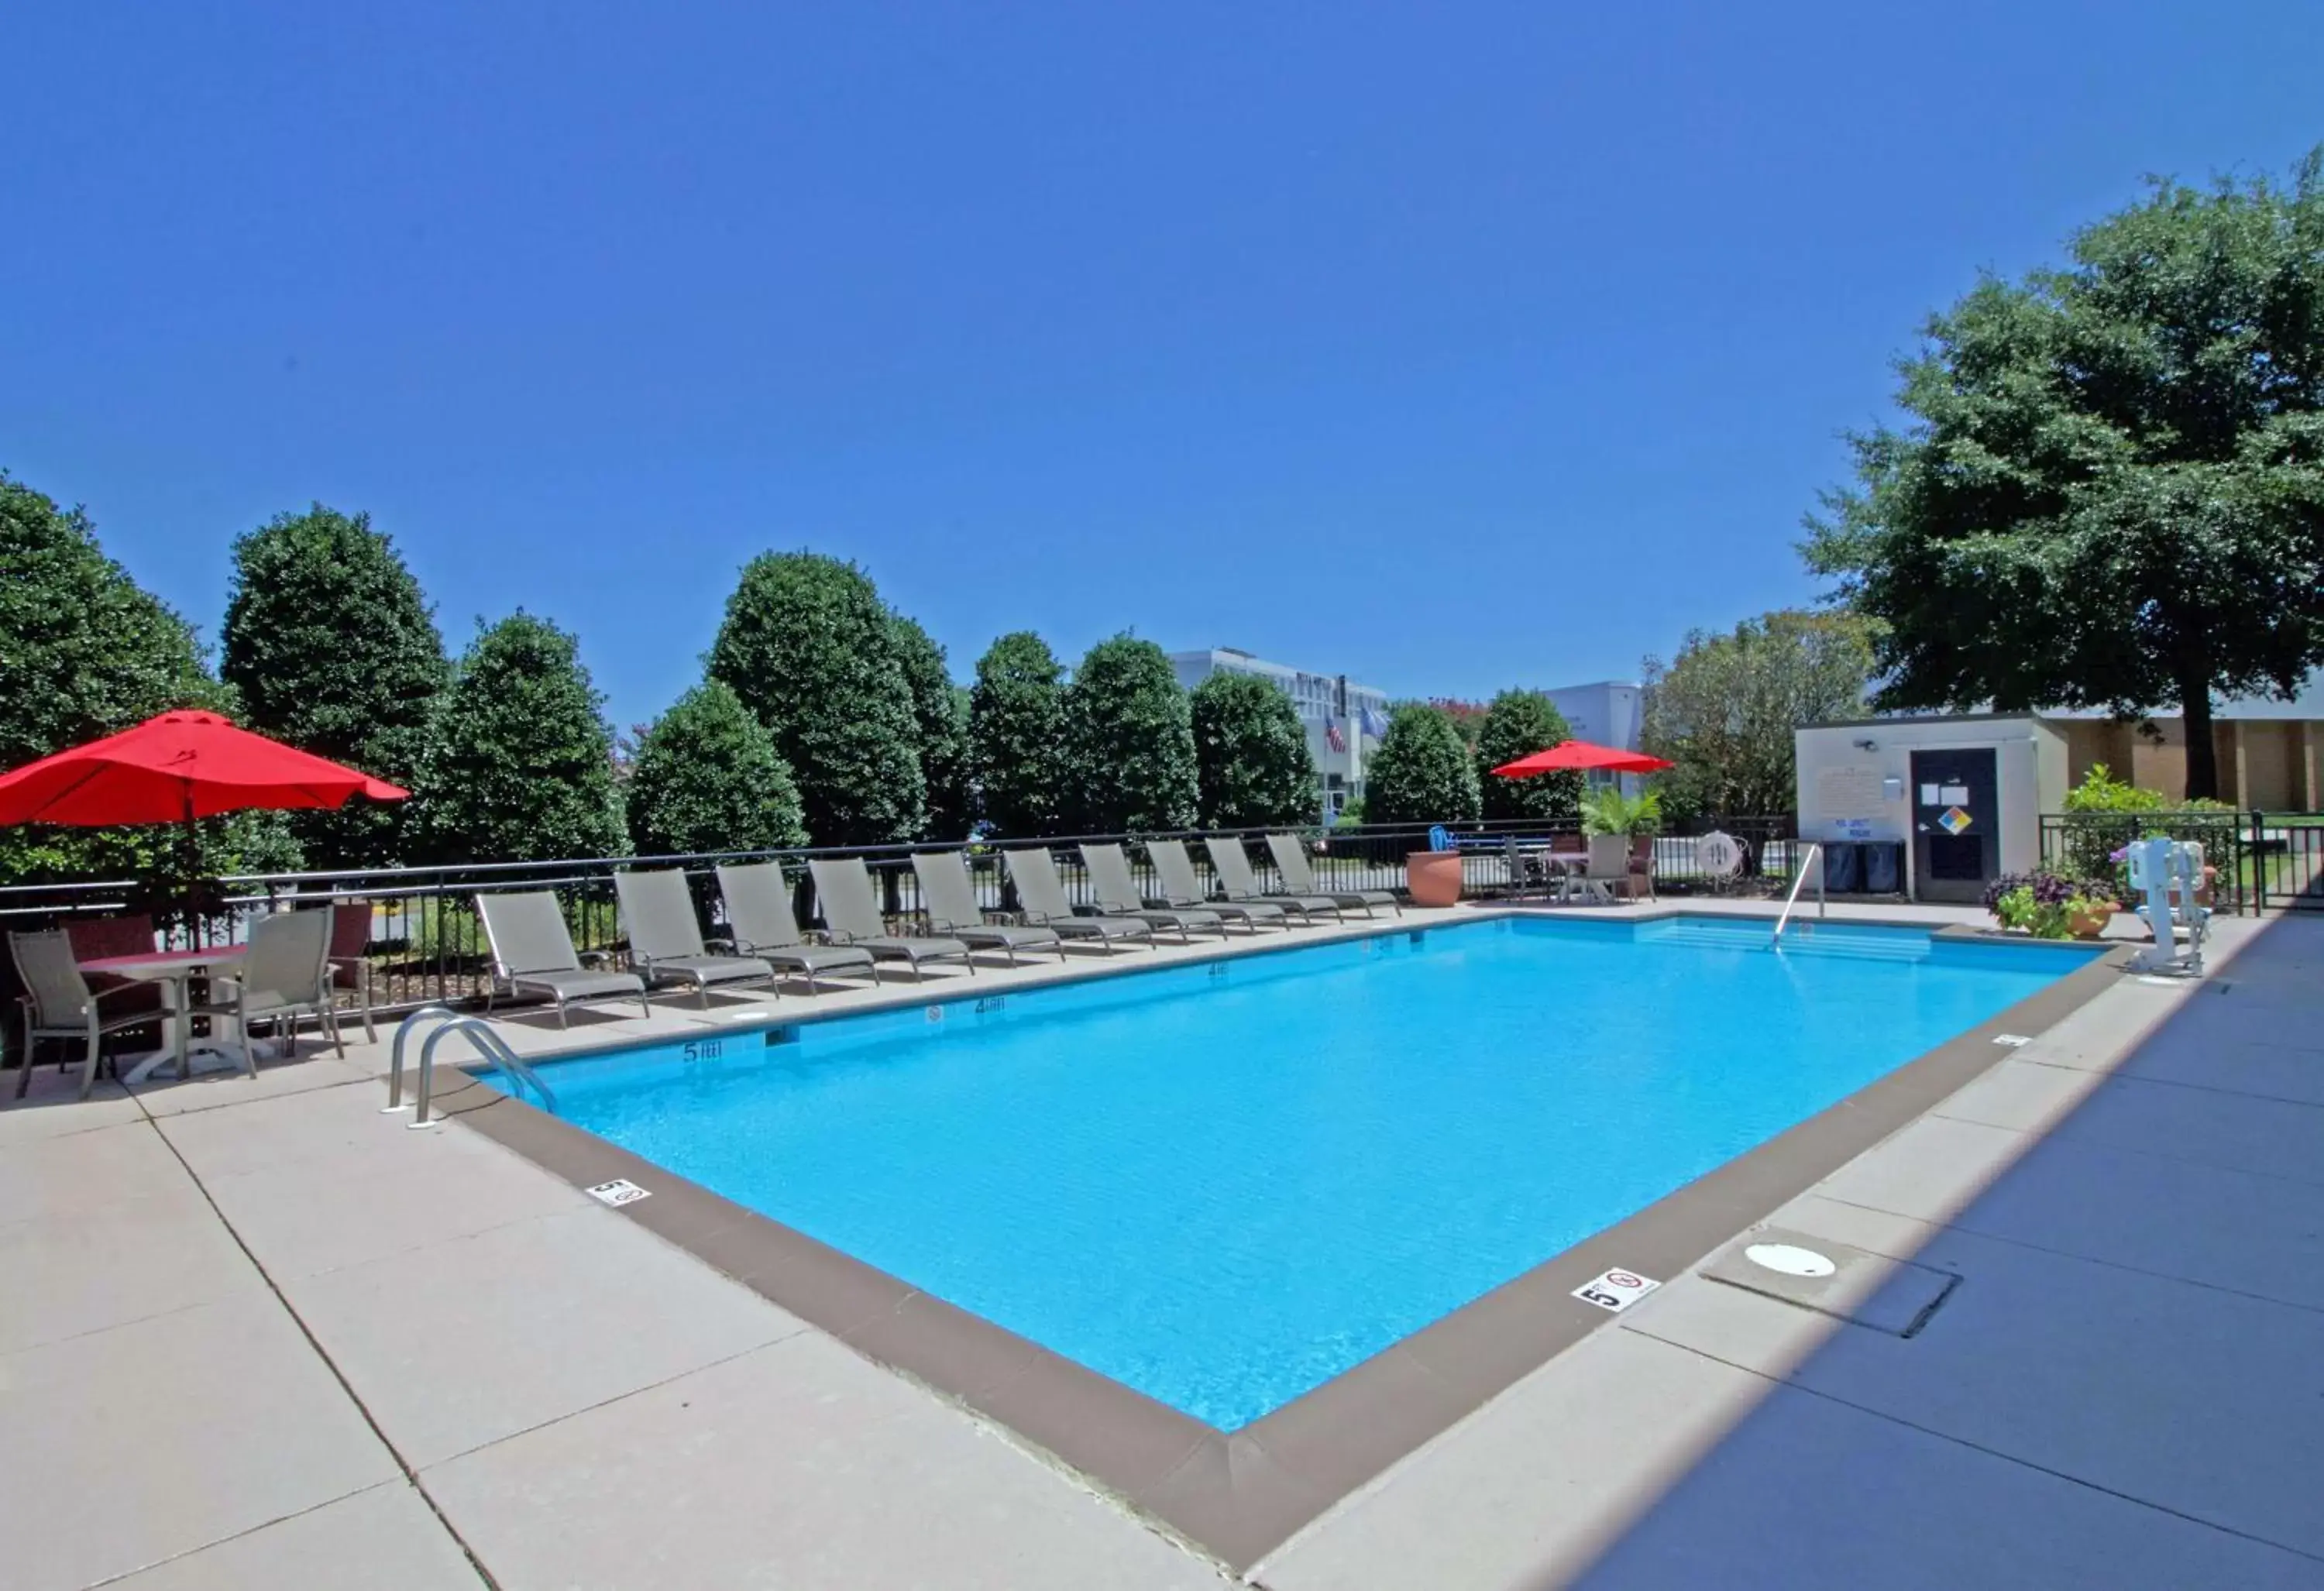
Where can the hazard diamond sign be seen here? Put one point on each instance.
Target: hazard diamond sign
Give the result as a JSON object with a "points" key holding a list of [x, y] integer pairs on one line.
{"points": [[1954, 820]]}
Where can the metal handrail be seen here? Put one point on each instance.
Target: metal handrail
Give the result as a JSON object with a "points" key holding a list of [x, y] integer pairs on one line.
{"points": [[491, 1046], [1813, 853], [403, 1029]]}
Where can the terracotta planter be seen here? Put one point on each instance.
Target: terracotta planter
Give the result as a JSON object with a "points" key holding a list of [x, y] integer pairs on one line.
{"points": [[2091, 923], [1433, 877]]}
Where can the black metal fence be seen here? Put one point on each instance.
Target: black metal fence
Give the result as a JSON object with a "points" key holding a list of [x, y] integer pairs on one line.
{"points": [[2262, 862], [428, 944]]}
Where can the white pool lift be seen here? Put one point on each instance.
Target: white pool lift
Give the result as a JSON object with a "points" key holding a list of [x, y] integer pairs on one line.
{"points": [[2168, 872]]}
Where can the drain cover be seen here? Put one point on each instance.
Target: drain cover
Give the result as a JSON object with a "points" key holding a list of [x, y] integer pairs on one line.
{"points": [[1836, 1279]]}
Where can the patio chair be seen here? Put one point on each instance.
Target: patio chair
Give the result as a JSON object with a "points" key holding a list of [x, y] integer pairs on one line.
{"points": [[844, 884], [1042, 894], [1529, 871], [59, 1004], [1182, 887], [949, 894], [349, 961], [760, 923], [1238, 882], [1299, 878], [287, 971], [1609, 866], [666, 936], [533, 953], [1117, 895], [1641, 867]]}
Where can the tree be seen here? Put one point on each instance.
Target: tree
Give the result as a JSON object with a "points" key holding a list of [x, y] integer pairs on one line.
{"points": [[707, 776], [84, 653], [333, 648], [1252, 766], [1422, 772], [1016, 737], [940, 713], [1725, 708], [807, 645], [1129, 741], [1516, 725], [2111, 491], [519, 761]]}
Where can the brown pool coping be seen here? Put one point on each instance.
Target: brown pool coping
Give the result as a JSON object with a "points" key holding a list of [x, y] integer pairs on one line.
{"points": [[1238, 1495]]}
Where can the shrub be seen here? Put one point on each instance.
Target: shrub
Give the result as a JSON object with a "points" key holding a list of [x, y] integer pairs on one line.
{"points": [[520, 762], [1421, 773], [708, 778], [940, 713], [333, 648], [809, 648], [1129, 741], [1252, 766], [1016, 737], [1516, 725], [1610, 812]]}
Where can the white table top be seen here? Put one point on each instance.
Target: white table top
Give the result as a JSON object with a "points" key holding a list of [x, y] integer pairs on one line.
{"points": [[167, 963]]}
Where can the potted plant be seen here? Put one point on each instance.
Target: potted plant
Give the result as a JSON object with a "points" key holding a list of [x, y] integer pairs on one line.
{"points": [[2049, 905]]}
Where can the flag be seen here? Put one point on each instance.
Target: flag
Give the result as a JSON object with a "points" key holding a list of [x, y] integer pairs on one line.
{"points": [[1372, 724], [1332, 735]]}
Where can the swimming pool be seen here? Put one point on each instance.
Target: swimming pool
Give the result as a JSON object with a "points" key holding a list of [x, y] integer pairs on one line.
{"points": [[1224, 1183]]}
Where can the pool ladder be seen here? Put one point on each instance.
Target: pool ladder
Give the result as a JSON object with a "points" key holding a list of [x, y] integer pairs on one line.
{"points": [[480, 1033], [1813, 853]]}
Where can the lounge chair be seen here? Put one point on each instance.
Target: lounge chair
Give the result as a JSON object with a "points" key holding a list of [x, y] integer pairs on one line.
{"points": [[666, 937], [1042, 894], [1232, 863], [1183, 887], [844, 884], [949, 894], [1117, 895], [1299, 878], [533, 953], [760, 924]]}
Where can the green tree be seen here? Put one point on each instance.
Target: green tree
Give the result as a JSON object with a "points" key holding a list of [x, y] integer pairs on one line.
{"points": [[333, 648], [1016, 737], [1516, 725], [519, 760], [1252, 766], [84, 653], [707, 777], [1422, 772], [2110, 493], [940, 713], [808, 645], [1725, 708], [1129, 741]]}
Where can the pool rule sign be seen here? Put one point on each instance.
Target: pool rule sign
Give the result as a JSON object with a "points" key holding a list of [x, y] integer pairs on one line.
{"points": [[1616, 1290]]}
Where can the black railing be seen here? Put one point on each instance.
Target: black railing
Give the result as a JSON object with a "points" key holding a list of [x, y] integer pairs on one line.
{"points": [[427, 945], [2261, 861]]}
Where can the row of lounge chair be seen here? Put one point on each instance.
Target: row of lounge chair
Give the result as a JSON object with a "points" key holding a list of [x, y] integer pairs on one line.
{"points": [[533, 953]]}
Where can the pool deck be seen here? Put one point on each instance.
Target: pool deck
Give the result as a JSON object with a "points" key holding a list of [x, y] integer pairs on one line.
{"points": [[255, 1334]]}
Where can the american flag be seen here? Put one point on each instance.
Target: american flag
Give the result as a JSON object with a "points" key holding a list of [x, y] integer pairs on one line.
{"points": [[1332, 736]]}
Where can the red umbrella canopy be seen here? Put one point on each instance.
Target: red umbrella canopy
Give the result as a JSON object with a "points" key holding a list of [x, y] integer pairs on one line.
{"points": [[1576, 756], [176, 767]]}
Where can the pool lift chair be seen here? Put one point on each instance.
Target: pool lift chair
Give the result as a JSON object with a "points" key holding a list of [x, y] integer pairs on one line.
{"points": [[2168, 872]]}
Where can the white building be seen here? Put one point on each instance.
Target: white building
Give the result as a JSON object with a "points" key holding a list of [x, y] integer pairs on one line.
{"points": [[1321, 709], [1607, 713]]}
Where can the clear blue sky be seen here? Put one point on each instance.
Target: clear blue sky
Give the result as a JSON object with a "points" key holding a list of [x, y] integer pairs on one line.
{"points": [[1449, 346]]}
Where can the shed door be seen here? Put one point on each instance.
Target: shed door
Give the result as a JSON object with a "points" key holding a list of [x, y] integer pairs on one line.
{"points": [[1956, 825]]}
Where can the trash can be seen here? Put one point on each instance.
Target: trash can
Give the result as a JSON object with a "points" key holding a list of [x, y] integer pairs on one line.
{"points": [[1884, 867], [1844, 867]]}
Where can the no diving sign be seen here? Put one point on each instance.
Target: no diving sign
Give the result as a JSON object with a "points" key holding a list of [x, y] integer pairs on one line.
{"points": [[1616, 1291], [621, 1190]]}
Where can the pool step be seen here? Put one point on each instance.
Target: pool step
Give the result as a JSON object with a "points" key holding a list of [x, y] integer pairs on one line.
{"points": [[1800, 939]]}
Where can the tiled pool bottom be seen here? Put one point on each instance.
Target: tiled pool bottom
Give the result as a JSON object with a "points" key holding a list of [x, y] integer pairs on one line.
{"points": [[1224, 1184]]}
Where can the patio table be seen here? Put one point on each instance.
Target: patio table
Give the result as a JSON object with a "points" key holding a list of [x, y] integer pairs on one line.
{"points": [[172, 969]]}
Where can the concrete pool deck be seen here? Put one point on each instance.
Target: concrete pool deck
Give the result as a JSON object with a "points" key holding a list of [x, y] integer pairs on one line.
{"points": [[253, 1333]]}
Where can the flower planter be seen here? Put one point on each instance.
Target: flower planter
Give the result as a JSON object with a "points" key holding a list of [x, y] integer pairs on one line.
{"points": [[2091, 923], [1433, 877]]}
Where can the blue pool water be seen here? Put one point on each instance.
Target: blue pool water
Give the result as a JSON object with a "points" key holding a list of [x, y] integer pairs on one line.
{"points": [[1225, 1185]]}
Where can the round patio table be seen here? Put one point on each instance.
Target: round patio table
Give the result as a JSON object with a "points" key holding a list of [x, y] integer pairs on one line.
{"points": [[170, 969]]}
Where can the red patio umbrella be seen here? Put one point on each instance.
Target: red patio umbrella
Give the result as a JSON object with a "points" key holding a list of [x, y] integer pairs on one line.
{"points": [[1580, 756], [176, 767]]}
